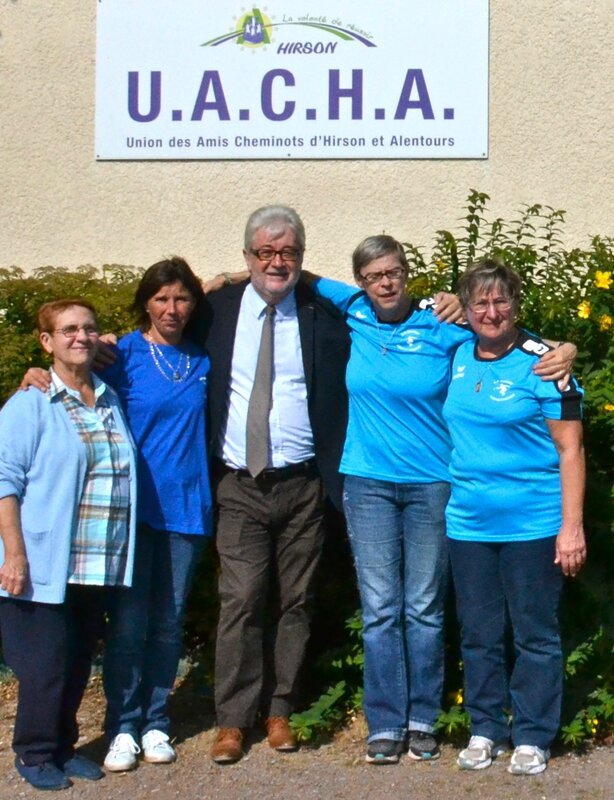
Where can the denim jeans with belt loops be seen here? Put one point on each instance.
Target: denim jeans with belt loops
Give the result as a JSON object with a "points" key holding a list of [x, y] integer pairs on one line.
{"points": [[397, 535]]}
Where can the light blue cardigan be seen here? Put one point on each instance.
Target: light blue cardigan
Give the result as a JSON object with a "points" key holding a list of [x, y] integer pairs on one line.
{"points": [[43, 462]]}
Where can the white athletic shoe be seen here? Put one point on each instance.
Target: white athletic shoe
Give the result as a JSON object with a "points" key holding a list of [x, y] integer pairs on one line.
{"points": [[527, 759], [479, 753], [122, 753], [157, 749]]}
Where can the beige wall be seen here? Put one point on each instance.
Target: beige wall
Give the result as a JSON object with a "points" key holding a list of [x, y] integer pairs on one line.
{"points": [[551, 141]]}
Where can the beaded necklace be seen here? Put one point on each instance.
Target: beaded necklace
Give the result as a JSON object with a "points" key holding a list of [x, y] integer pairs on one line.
{"points": [[176, 374]]}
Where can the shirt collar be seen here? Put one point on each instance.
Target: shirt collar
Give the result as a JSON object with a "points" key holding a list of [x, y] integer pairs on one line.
{"points": [[285, 308], [58, 387]]}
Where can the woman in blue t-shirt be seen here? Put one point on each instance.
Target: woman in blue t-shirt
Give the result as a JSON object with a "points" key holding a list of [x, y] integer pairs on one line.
{"points": [[514, 522], [160, 374], [395, 460]]}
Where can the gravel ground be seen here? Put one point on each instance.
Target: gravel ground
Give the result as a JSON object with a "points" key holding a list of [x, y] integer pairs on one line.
{"points": [[333, 770]]}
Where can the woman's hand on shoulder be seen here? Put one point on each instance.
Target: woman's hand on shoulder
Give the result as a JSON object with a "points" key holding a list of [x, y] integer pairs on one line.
{"points": [[447, 307], [571, 548], [37, 377], [224, 279], [105, 355], [557, 364]]}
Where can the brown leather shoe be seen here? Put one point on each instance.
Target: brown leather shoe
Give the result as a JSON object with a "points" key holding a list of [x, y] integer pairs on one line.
{"points": [[280, 735], [228, 746]]}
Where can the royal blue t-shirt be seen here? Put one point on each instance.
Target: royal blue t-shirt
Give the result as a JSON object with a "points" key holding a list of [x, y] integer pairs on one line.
{"points": [[505, 467], [167, 420], [397, 378]]}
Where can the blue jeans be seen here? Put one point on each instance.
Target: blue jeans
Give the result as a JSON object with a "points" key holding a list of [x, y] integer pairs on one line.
{"points": [[519, 580], [397, 534], [145, 636]]}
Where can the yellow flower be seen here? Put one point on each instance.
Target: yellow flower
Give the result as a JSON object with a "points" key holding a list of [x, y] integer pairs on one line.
{"points": [[584, 309], [608, 407], [605, 322], [459, 697], [440, 266], [595, 721], [603, 280]]}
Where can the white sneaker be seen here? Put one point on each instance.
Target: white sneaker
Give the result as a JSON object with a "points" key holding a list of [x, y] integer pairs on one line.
{"points": [[479, 753], [122, 753], [527, 759], [157, 749]]}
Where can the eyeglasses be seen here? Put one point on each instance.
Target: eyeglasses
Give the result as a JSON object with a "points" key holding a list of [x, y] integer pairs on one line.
{"points": [[394, 274], [287, 254], [482, 306], [71, 331]]}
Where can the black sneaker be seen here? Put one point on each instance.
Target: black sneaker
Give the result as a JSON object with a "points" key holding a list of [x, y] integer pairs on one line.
{"points": [[422, 746], [384, 751]]}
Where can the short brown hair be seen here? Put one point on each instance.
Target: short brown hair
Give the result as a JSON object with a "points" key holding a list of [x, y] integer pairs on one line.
{"points": [[49, 312], [484, 275], [375, 247]]}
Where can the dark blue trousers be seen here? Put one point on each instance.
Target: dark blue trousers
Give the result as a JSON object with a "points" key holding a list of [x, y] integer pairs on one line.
{"points": [[50, 647], [519, 582]]}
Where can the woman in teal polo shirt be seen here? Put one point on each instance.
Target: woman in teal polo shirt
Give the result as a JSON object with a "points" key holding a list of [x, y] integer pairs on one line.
{"points": [[514, 522]]}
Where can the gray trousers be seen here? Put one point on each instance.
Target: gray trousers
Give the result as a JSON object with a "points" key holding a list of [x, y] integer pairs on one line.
{"points": [[269, 539]]}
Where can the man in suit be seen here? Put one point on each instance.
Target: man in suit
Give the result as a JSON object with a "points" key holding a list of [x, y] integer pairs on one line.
{"points": [[270, 524]]}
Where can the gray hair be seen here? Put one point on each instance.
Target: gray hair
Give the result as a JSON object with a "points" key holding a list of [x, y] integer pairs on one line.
{"points": [[276, 219], [486, 274], [375, 247]]}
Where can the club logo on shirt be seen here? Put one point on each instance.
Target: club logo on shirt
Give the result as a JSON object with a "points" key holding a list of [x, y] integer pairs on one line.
{"points": [[408, 341], [502, 388], [460, 372], [361, 315]]}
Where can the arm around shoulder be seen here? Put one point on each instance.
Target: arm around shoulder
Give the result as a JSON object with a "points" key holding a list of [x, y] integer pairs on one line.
{"points": [[557, 363]]}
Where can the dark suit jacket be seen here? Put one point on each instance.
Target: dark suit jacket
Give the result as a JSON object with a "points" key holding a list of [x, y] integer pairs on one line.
{"points": [[325, 345]]}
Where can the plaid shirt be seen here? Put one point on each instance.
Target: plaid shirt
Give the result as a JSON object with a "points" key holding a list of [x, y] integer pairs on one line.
{"points": [[100, 539]]}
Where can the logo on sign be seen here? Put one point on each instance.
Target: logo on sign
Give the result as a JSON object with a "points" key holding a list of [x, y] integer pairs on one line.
{"points": [[255, 29]]}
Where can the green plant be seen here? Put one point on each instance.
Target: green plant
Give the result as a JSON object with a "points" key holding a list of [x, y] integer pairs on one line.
{"points": [[342, 669], [594, 718], [453, 723]]}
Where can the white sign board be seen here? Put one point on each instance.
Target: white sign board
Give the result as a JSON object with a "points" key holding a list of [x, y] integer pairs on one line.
{"points": [[204, 79]]}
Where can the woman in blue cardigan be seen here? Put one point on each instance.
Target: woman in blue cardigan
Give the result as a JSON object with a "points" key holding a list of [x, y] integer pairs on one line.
{"points": [[160, 374], [67, 484]]}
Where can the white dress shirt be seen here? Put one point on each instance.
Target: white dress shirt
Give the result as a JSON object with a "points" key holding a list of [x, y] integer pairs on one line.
{"points": [[291, 437]]}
